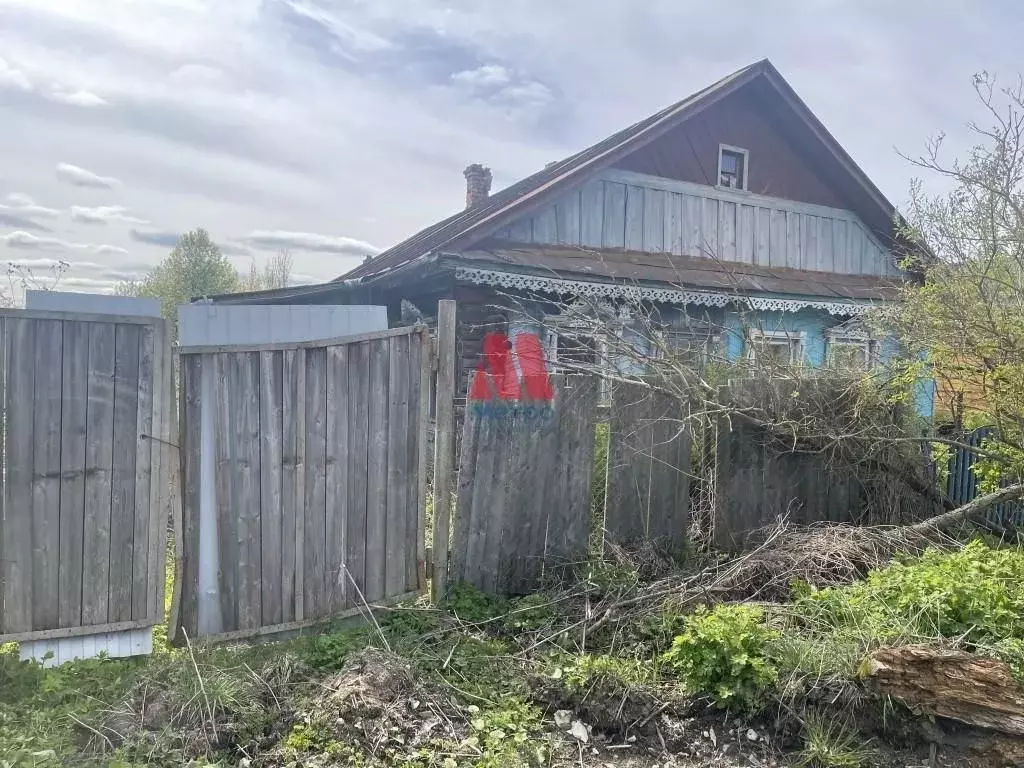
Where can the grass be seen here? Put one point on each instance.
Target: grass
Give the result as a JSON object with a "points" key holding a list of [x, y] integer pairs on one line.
{"points": [[829, 744]]}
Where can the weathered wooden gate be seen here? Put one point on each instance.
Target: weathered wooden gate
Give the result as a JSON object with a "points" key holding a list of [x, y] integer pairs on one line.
{"points": [[524, 487], [315, 502], [648, 490], [86, 480]]}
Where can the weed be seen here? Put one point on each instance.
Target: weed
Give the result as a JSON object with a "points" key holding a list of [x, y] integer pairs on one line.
{"points": [[329, 652], [724, 653], [828, 744], [469, 604]]}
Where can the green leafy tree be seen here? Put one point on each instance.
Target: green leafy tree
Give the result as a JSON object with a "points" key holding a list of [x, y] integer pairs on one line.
{"points": [[967, 319], [196, 267]]}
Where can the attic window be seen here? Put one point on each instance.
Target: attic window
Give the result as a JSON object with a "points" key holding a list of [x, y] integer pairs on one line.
{"points": [[732, 167]]}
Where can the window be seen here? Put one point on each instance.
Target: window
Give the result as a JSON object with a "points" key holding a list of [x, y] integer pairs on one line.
{"points": [[851, 353], [732, 167], [775, 347], [691, 349]]}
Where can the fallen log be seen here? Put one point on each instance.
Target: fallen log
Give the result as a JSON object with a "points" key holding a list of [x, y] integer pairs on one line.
{"points": [[952, 684]]}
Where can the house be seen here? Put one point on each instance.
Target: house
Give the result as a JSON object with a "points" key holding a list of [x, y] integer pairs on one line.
{"points": [[733, 209]]}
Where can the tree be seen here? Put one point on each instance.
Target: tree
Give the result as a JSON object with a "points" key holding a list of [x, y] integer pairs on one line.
{"points": [[277, 273], [196, 267], [967, 319]]}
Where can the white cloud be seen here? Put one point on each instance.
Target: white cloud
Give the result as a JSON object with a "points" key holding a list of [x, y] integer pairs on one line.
{"points": [[27, 241], [489, 75], [309, 241], [79, 98], [13, 78], [80, 177], [21, 204], [103, 214]]}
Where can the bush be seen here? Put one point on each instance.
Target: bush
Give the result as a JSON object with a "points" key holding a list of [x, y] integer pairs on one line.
{"points": [[975, 594], [724, 654]]}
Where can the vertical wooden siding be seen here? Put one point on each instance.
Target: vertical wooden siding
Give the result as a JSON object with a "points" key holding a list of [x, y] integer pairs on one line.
{"points": [[86, 406], [653, 215], [316, 480], [524, 488]]}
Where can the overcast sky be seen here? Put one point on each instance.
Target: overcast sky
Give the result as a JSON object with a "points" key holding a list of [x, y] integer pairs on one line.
{"points": [[337, 128]]}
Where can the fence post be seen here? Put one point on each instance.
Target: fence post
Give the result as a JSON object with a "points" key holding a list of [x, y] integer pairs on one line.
{"points": [[444, 445]]}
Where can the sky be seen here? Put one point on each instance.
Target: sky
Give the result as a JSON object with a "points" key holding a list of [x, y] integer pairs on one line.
{"points": [[337, 128]]}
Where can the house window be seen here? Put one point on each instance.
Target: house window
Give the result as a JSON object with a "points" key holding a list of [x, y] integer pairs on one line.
{"points": [[692, 350], [775, 347], [732, 167], [851, 353]]}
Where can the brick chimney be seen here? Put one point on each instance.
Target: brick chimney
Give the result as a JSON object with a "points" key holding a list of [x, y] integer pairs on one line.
{"points": [[478, 184]]}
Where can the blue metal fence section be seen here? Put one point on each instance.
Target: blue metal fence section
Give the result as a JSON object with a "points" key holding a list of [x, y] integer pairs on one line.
{"points": [[962, 484]]}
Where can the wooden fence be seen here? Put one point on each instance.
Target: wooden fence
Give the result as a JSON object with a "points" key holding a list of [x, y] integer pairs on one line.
{"points": [[524, 487], [312, 500], [86, 488], [648, 486]]}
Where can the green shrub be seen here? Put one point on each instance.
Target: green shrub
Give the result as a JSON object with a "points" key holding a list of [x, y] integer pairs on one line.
{"points": [[724, 654], [329, 652], [975, 594], [471, 605]]}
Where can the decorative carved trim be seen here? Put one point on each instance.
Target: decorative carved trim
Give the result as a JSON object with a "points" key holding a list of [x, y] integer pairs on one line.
{"points": [[637, 293]]}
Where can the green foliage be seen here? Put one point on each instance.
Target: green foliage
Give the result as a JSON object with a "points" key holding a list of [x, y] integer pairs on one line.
{"points": [[329, 652], [581, 673], [530, 613], [196, 267], [828, 744], [975, 594], [469, 604], [724, 653]]}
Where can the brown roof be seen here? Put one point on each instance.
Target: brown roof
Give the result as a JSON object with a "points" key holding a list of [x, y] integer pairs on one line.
{"points": [[470, 225], [682, 271]]}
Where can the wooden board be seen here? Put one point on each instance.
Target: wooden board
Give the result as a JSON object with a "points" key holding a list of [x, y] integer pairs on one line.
{"points": [[316, 601], [338, 392], [359, 426], [146, 459], [400, 469], [46, 435], [75, 377], [377, 471], [122, 476], [274, 542]]}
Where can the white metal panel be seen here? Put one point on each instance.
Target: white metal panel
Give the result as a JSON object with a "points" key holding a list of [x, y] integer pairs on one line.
{"points": [[91, 303], [245, 325], [226, 324], [53, 653]]}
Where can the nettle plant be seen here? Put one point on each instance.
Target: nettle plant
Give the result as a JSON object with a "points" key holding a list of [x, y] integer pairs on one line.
{"points": [[724, 653]]}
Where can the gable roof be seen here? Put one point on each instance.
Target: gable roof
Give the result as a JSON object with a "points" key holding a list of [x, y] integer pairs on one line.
{"points": [[475, 223]]}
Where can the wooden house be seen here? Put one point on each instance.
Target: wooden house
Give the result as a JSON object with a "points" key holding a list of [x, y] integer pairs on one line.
{"points": [[733, 209]]}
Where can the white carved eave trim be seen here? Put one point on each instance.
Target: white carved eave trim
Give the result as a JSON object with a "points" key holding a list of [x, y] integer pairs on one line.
{"points": [[636, 293]]}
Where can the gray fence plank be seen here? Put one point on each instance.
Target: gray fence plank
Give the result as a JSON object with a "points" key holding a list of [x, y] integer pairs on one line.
{"points": [[419, 417], [228, 536], [16, 557], [99, 451], [46, 409], [186, 585], [337, 475], [144, 454], [271, 441], [122, 478], [313, 562], [569, 525], [358, 425], [299, 408], [289, 485], [377, 471], [400, 468], [244, 373]]}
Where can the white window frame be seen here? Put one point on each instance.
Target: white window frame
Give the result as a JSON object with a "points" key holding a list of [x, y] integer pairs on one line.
{"points": [[746, 166], [796, 340], [870, 347]]}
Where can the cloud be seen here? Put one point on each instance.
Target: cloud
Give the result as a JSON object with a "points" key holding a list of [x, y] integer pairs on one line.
{"points": [[80, 177], [27, 241], [79, 98], [13, 78], [309, 241], [487, 76], [164, 239], [104, 214], [21, 222]]}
